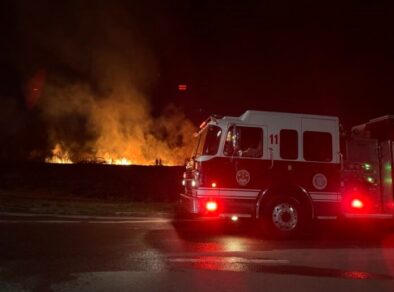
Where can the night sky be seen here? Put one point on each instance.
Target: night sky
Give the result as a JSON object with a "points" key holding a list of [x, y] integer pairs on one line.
{"points": [[334, 59]]}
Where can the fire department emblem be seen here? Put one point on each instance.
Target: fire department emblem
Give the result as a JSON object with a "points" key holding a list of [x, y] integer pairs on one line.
{"points": [[319, 181], [243, 177]]}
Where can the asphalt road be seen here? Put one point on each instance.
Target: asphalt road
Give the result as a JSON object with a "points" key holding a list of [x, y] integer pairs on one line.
{"points": [[158, 254]]}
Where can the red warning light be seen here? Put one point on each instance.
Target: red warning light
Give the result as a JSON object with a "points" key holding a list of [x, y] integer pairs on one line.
{"points": [[357, 204], [182, 87], [211, 206]]}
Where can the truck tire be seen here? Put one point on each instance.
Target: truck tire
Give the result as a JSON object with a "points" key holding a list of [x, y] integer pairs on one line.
{"points": [[283, 217]]}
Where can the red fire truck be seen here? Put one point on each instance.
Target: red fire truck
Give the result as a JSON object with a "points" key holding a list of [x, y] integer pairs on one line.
{"points": [[287, 169]]}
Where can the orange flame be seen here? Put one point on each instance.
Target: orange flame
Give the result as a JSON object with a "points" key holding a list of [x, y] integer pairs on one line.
{"points": [[59, 156]]}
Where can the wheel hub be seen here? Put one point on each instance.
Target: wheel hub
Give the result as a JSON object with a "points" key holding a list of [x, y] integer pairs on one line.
{"points": [[285, 217]]}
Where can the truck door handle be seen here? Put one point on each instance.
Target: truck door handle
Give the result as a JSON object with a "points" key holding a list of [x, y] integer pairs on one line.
{"points": [[341, 159], [271, 154]]}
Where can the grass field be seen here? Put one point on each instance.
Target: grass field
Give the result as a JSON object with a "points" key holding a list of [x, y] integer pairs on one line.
{"points": [[79, 206], [88, 189]]}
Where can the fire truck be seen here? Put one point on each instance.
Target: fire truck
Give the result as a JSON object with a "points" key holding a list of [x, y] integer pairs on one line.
{"points": [[287, 169]]}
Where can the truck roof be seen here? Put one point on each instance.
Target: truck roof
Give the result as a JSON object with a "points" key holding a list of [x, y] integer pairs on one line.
{"points": [[257, 117]]}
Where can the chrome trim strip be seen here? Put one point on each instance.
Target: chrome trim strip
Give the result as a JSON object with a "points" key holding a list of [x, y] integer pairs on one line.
{"points": [[217, 193], [229, 215], [207, 193], [258, 203], [308, 195], [229, 189], [324, 193], [238, 198], [324, 197], [238, 194], [326, 217]]}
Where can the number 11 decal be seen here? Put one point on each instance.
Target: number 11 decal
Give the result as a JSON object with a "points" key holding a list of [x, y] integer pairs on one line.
{"points": [[274, 139]]}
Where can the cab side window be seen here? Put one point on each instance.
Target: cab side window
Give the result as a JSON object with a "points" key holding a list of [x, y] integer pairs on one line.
{"points": [[250, 142], [317, 146], [244, 142]]}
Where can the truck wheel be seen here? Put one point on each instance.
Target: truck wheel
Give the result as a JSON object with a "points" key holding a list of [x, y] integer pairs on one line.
{"points": [[283, 218]]}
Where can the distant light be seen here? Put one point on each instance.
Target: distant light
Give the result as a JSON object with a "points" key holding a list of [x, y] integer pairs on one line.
{"points": [[194, 183], [367, 166], [183, 182], [182, 87], [370, 179], [357, 204], [234, 218], [213, 185]]}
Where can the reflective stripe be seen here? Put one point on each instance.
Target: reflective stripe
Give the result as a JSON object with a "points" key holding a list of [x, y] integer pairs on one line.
{"points": [[230, 189], [207, 192], [238, 198], [239, 193], [228, 193], [253, 193], [324, 196]]}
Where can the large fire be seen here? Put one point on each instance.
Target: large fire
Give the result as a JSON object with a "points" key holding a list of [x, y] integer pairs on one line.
{"points": [[113, 129], [62, 156]]}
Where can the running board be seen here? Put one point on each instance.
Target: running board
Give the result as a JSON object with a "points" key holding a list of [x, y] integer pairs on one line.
{"points": [[369, 216], [229, 215]]}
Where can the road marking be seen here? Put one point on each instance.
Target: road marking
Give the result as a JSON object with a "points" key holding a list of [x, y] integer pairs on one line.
{"points": [[238, 260], [88, 217], [87, 222]]}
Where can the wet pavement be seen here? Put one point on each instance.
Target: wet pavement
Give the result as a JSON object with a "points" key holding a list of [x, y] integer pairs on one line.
{"points": [[159, 254]]}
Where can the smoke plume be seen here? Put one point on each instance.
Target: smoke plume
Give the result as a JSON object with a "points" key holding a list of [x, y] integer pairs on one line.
{"points": [[100, 64]]}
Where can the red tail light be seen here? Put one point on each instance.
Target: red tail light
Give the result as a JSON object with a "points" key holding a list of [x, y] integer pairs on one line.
{"points": [[211, 206], [357, 199], [357, 204]]}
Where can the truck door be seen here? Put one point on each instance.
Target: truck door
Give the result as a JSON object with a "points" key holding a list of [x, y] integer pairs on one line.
{"points": [[320, 175], [363, 167], [246, 147]]}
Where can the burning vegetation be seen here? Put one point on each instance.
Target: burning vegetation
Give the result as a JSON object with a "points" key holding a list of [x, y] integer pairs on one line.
{"points": [[116, 129], [92, 71]]}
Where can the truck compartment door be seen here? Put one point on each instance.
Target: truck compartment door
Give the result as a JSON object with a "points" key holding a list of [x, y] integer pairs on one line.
{"points": [[386, 166]]}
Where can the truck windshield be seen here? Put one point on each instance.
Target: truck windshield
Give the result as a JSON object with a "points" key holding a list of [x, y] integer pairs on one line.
{"points": [[208, 141]]}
